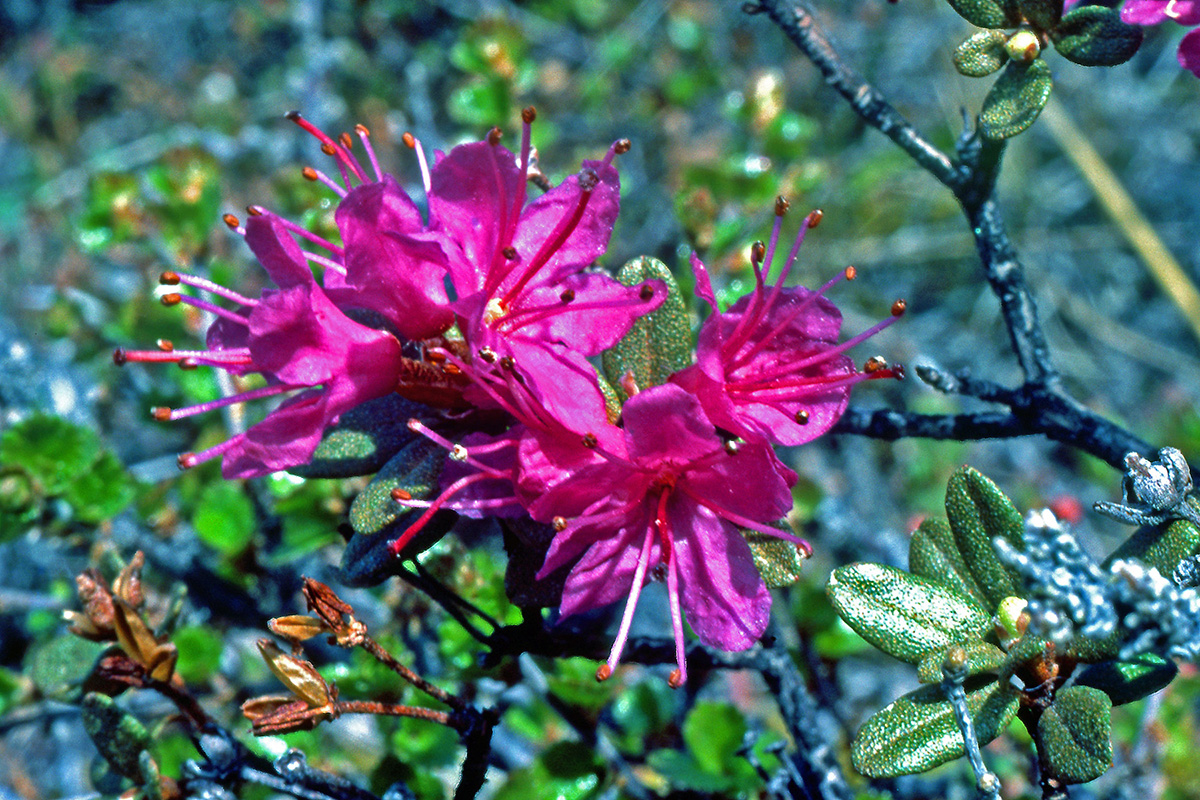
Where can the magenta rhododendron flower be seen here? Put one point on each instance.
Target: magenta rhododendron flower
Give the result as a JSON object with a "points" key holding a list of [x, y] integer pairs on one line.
{"points": [[671, 494], [298, 340], [770, 368], [1184, 12], [524, 299]]}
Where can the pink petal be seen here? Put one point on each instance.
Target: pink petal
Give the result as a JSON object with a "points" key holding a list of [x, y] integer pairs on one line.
{"points": [[287, 437], [277, 251], [1144, 12], [726, 602], [1189, 52], [666, 423]]}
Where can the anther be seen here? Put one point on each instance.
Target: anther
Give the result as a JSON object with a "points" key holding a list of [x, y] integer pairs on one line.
{"points": [[528, 115], [851, 273], [510, 253], [604, 672], [494, 136], [590, 441], [346, 140], [186, 460], [588, 179], [814, 218], [676, 679], [409, 140], [169, 278], [731, 447], [874, 364], [119, 357], [487, 354], [172, 299], [508, 363], [898, 372], [898, 307], [458, 453], [292, 115], [559, 524], [399, 494], [254, 211], [758, 251], [622, 146], [166, 345], [309, 174], [567, 296], [161, 413], [328, 149], [188, 364], [781, 205], [361, 130], [801, 417], [230, 220], [646, 292]]}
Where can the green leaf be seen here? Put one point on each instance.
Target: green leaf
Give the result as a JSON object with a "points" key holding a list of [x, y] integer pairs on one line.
{"points": [[988, 13], [1094, 36], [1074, 731], [52, 451], [981, 54], [659, 343], [119, 737], [933, 553], [224, 518], [1015, 100], [778, 562], [904, 616], [981, 657], [918, 731], [1042, 15], [63, 664], [363, 439], [713, 733], [979, 512], [1126, 681], [414, 469], [101, 492], [1160, 546]]}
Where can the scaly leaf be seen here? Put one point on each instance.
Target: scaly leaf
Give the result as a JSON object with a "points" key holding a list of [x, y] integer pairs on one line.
{"points": [[904, 616], [1075, 733], [979, 512], [659, 343], [1094, 36], [1015, 99]]}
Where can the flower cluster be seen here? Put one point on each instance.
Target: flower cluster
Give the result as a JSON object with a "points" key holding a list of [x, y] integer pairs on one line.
{"points": [[489, 313]]}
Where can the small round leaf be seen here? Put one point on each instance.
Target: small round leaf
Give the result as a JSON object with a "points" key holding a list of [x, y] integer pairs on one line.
{"points": [[1075, 734], [982, 54], [988, 13], [1016, 99], [1094, 36]]}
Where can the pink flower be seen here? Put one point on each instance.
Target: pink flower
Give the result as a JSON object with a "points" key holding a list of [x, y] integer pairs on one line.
{"points": [[669, 496], [298, 340], [770, 368], [1185, 12], [389, 261], [524, 301]]}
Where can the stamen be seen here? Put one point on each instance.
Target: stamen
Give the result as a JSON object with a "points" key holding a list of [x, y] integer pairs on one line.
{"points": [[189, 460], [163, 414], [635, 591], [617, 148], [412, 530], [399, 494], [175, 299], [680, 675], [365, 136], [413, 143], [205, 285], [313, 174], [342, 156]]}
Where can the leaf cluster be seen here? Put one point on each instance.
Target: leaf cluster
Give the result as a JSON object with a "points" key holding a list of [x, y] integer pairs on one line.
{"points": [[960, 602], [1091, 35]]}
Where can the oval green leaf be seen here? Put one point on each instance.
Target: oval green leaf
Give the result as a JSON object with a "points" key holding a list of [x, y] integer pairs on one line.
{"points": [[1075, 734], [1015, 100], [1126, 681], [933, 553], [659, 343], [119, 737], [903, 615], [363, 439], [988, 13], [919, 732], [978, 513], [1094, 36], [982, 54]]}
